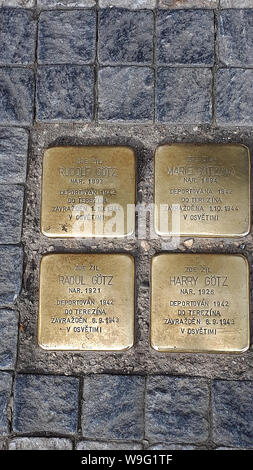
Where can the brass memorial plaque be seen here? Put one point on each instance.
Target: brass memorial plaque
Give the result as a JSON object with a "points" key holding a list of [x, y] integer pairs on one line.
{"points": [[202, 190], [200, 303], [88, 192], [86, 302]]}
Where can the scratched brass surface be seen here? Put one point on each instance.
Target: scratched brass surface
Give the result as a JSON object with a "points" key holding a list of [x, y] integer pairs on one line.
{"points": [[86, 192], [86, 302], [209, 186], [200, 303]]}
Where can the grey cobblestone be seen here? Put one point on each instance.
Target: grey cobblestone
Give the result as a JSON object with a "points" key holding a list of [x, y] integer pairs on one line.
{"points": [[95, 445], [178, 4], [125, 37], [236, 4], [40, 443], [47, 4], [168, 446], [45, 404], [177, 409], [67, 37], [185, 37], [9, 336], [233, 413], [183, 95], [11, 269], [133, 5], [5, 393], [17, 3], [13, 155], [17, 36], [236, 37], [65, 93], [11, 213], [125, 94], [113, 407], [235, 97], [16, 95]]}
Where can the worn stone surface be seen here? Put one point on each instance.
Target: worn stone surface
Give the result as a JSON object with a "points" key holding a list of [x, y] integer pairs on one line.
{"points": [[16, 95], [175, 4], [234, 97], [183, 95], [5, 393], [133, 5], [44, 4], [17, 3], [185, 37], [236, 37], [113, 407], [95, 445], [45, 404], [17, 36], [236, 3], [13, 155], [67, 37], [11, 270], [9, 336], [232, 404], [168, 446], [177, 409], [125, 94], [11, 213], [65, 93], [40, 443], [125, 37]]}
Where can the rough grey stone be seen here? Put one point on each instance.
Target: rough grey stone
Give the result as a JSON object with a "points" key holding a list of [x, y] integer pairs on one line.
{"points": [[17, 36], [2, 444], [17, 3], [183, 95], [47, 4], [13, 155], [40, 443], [45, 404], [113, 407], [95, 445], [125, 37], [236, 4], [11, 269], [233, 413], [236, 37], [178, 4], [5, 393], [235, 97], [177, 409], [185, 37], [9, 337], [133, 5], [125, 94], [65, 93], [67, 37], [16, 95], [167, 446], [11, 213]]}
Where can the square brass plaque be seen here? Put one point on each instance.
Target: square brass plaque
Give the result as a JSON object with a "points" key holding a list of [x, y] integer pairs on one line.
{"points": [[88, 192], [202, 190], [86, 302], [200, 303]]}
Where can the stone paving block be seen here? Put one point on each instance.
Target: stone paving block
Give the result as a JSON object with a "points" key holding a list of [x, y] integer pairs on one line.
{"points": [[132, 5], [40, 443], [11, 213], [11, 270], [13, 155], [177, 409], [2, 444], [95, 445], [5, 393], [125, 37], [185, 37], [48, 4], [16, 95], [45, 404], [178, 4], [17, 36], [236, 37], [65, 93], [125, 94], [17, 3], [67, 37], [236, 4], [235, 97], [9, 320], [164, 446], [232, 403], [113, 407], [183, 95]]}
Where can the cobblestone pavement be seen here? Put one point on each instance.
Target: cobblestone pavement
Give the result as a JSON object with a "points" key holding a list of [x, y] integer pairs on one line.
{"points": [[82, 72]]}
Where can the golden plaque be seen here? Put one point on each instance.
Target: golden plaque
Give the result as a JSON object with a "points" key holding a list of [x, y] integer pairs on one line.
{"points": [[86, 302], [202, 190], [200, 303], [88, 192]]}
